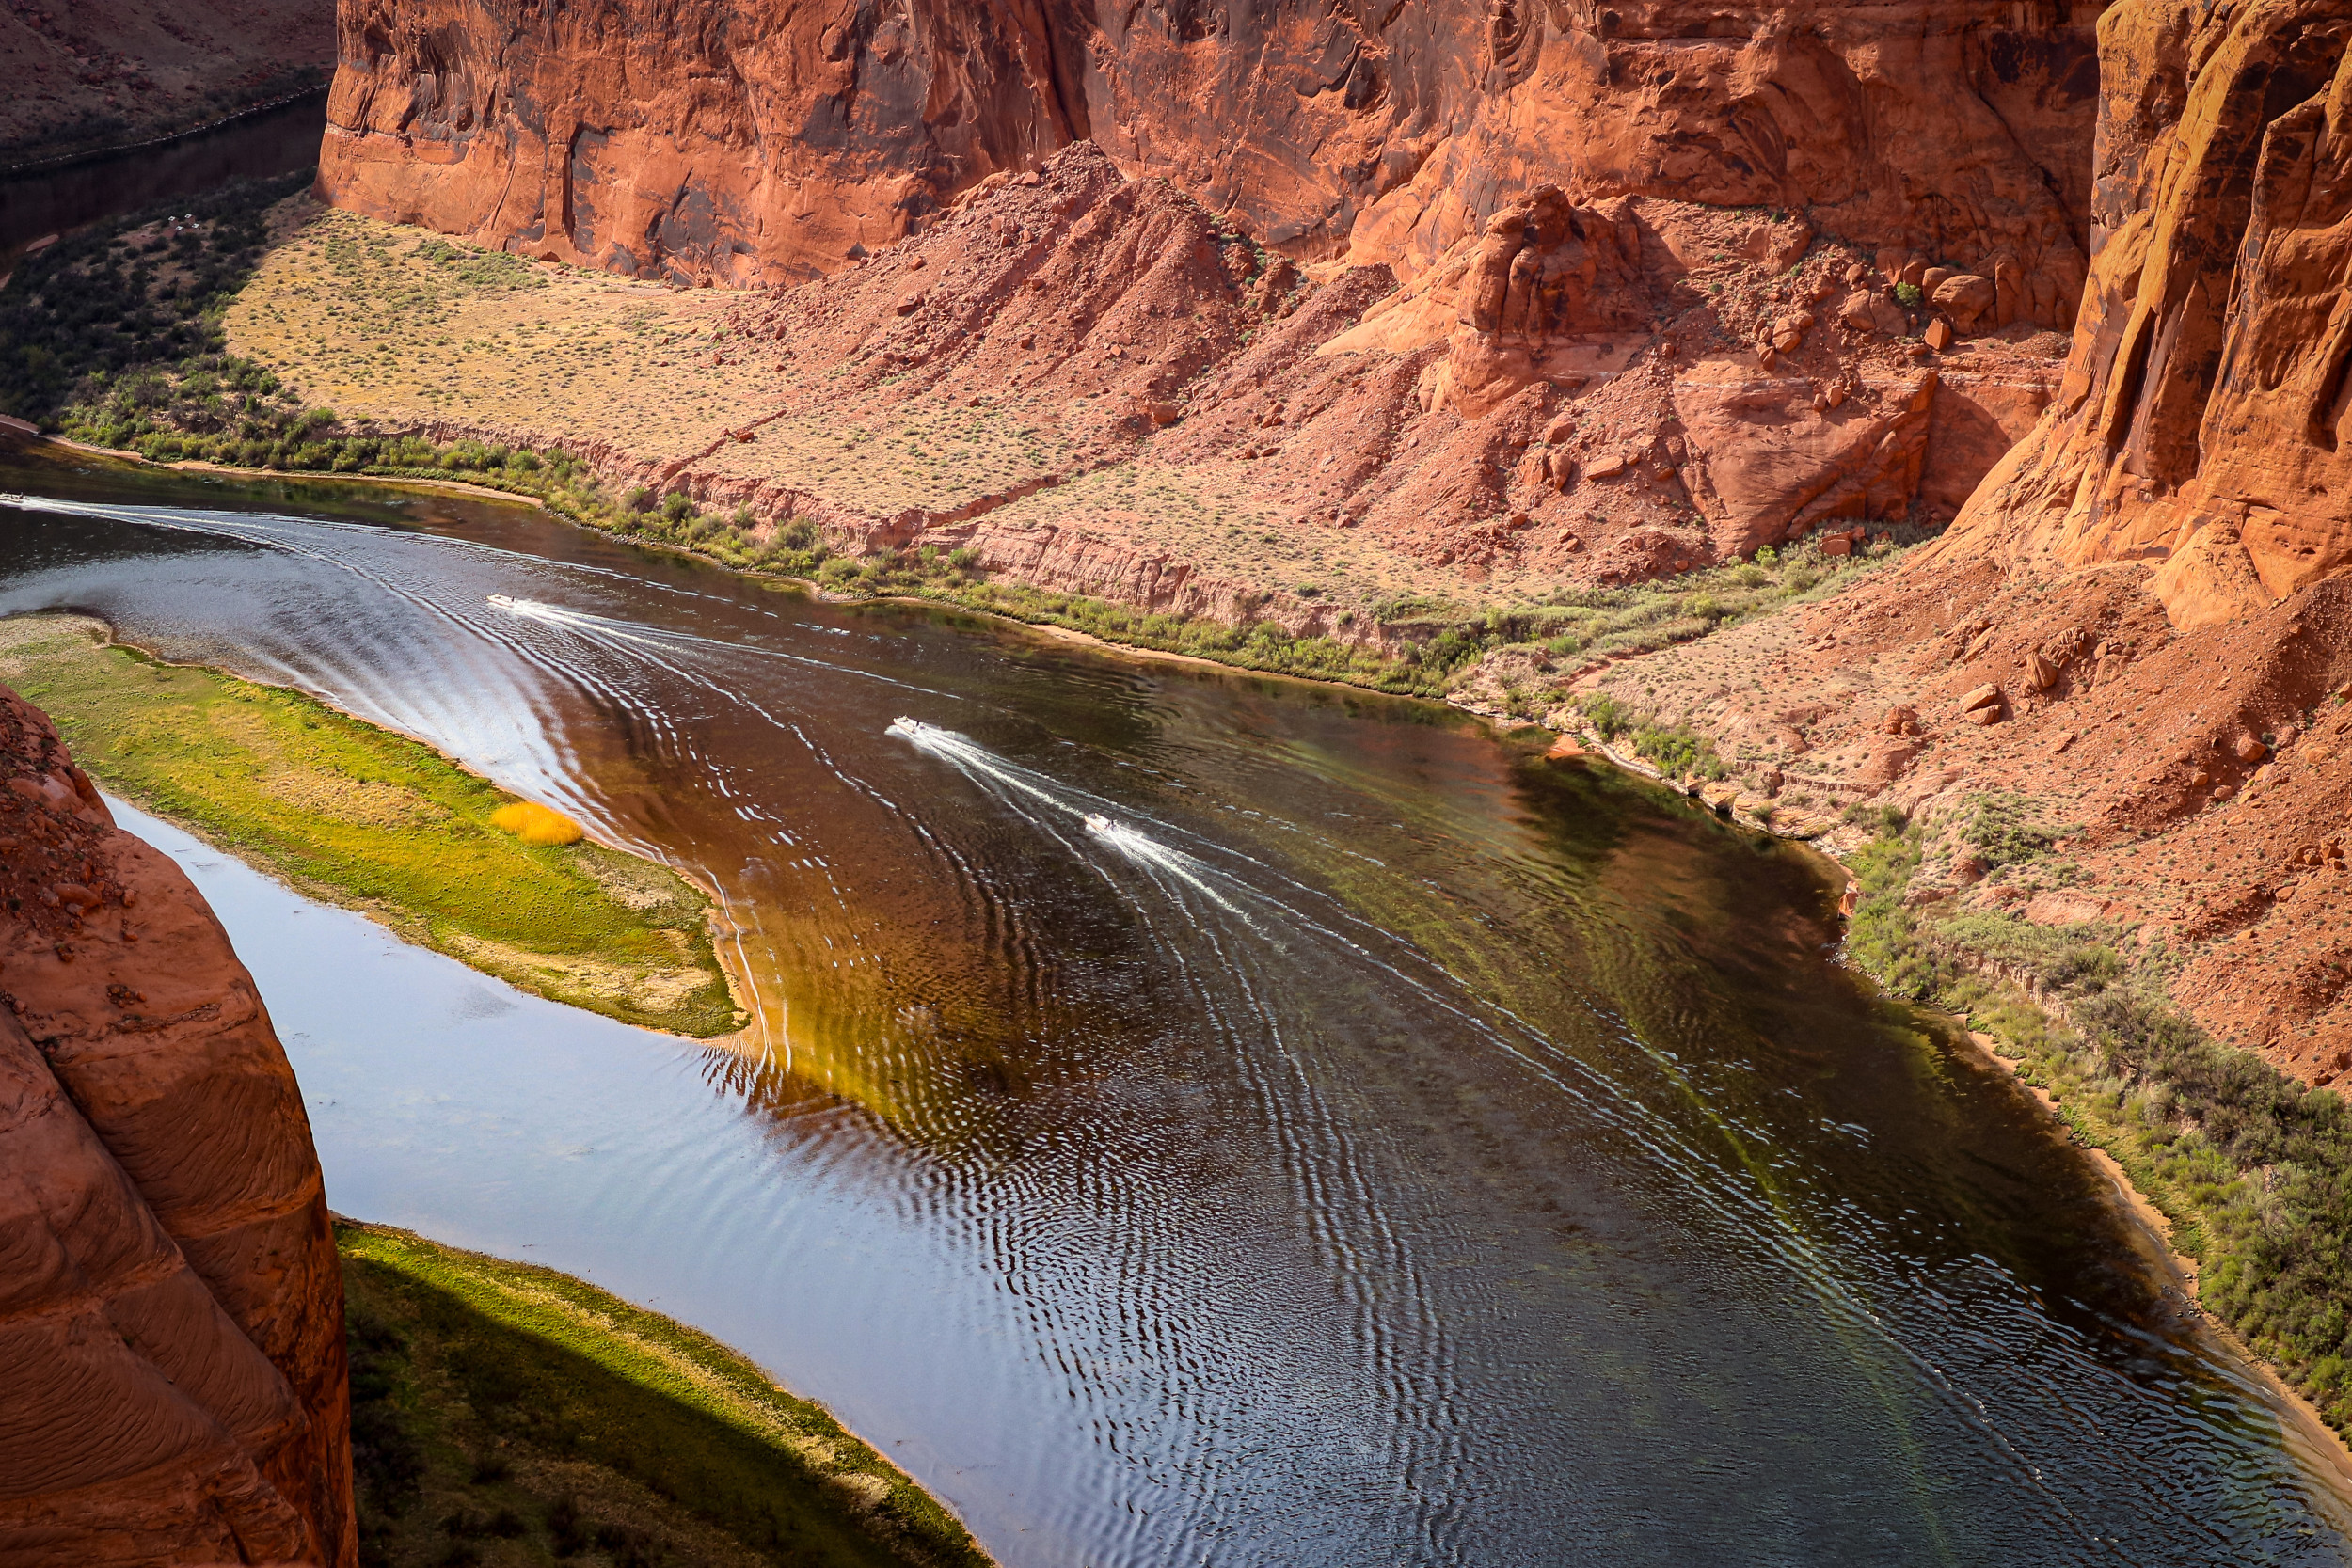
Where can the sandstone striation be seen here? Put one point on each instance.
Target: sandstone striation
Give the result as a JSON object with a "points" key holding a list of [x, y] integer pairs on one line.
{"points": [[171, 1335], [745, 141], [767, 140], [2199, 423]]}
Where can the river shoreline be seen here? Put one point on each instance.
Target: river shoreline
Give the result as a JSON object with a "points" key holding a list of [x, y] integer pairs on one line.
{"points": [[815, 588], [2158, 1225], [2141, 1209], [58, 162], [636, 1419], [411, 923]]}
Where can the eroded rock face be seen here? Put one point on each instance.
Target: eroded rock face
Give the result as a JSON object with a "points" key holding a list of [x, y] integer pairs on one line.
{"points": [[2201, 422], [732, 142], [738, 142], [171, 1335]]}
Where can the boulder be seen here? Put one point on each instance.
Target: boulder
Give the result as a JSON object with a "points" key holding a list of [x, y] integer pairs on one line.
{"points": [[1889, 760], [2040, 674], [1964, 297], [1986, 705], [1938, 335], [1764, 465], [1899, 720]]}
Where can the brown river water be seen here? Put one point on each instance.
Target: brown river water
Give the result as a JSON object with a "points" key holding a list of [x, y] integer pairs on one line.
{"points": [[1193, 1116]]}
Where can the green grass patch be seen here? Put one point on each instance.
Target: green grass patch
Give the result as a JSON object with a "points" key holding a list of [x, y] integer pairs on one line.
{"points": [[1675, 750], [361, 817], [2253, 1169], [507, 1414]]}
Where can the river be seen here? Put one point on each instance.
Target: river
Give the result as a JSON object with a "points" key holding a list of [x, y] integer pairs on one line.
{"points": [[1198, 1118], [53, 199]]}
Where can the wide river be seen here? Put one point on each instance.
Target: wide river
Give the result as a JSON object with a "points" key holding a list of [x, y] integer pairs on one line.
{"points": [[1192, 1117]]}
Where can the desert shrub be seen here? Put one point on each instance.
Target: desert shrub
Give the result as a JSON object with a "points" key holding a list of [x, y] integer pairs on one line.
{"points": [[2253, 1168]]}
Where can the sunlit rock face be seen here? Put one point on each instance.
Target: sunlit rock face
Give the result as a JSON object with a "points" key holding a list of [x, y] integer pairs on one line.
{"points": [[2203, 414], [745, 141], [171, 1311]]}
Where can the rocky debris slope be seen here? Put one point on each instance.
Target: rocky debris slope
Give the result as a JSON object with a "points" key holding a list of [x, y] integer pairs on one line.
{"points": [[2192, 784], [102, 73], [761, 141], [1586, 393], [171, 1334]]}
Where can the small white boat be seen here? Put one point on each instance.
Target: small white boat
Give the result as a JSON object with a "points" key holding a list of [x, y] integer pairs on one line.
{"points": [[500, 601], [1097, 823]]}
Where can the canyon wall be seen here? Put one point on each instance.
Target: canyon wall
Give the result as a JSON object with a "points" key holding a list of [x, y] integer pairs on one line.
{"points": [[171, 1334], [2201, 421], [747, 141]]}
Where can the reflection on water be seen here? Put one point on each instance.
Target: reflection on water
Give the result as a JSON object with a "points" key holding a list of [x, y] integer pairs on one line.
{"points": [[1199, 1117]]}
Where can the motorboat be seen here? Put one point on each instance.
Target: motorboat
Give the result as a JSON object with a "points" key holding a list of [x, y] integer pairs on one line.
{"points": [[502, 601], [1097, 823]]}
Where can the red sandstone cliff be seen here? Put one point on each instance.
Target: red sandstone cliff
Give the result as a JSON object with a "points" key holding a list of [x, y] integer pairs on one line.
{"points": [[171, 1337], [2200, 425], [2142, 619], [740, 141]]}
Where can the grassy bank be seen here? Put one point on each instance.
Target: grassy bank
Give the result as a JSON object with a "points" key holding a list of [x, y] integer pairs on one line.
{"points": [[2253, 1170], [509, 1415], [365, 818]]}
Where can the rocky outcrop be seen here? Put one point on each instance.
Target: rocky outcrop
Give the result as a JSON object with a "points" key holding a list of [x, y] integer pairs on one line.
{"points": [[2141, 622], [763, 140], [1549, 291], [170, 1302], [103, 72], [2201, 423]]}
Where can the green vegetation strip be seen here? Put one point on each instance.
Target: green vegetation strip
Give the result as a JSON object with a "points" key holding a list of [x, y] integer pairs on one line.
{"points": [[507, 1414], [361, 817], [2253, 1170]]}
